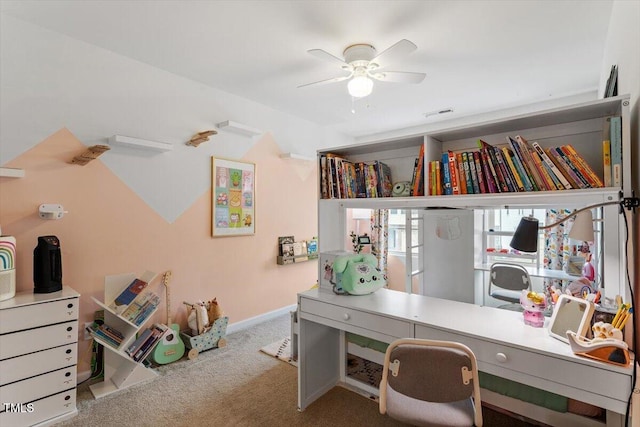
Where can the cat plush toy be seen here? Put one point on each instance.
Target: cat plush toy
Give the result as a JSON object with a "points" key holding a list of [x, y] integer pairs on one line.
{"points": [[360, 273]]}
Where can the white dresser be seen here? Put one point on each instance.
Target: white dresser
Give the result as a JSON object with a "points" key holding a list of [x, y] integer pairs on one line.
{"points": [[38, 357]]}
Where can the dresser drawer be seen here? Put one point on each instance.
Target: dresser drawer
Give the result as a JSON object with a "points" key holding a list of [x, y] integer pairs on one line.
{"points": [[495, 358], [32, 364], [19, 343], [40, 386], [378, 323], [35, 315], [40, 410]]}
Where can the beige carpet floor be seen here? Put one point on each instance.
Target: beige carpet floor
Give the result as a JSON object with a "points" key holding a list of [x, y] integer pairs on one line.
{"points": [[237, 385]]}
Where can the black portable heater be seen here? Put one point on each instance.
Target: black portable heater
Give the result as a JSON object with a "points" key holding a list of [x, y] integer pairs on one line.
{"points": [[47, 265]]}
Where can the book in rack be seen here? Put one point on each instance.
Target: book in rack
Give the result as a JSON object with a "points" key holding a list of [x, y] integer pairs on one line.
{"points": [[344, 179]]}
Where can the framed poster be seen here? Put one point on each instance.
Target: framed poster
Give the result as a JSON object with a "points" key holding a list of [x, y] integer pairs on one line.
{"points": [[233, 188]]}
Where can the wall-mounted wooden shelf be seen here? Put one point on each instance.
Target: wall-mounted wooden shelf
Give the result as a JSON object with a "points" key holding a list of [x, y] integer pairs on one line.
{"points": [[143, 144], [286, 260], [238, 128], [11, 173], [295, 156]]}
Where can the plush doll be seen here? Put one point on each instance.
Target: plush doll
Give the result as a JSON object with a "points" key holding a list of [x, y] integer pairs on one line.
{"points": [[360, 273], [534, 305]]}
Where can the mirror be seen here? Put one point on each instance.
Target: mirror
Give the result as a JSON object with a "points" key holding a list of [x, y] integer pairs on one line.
{"points": [[570, 314]]}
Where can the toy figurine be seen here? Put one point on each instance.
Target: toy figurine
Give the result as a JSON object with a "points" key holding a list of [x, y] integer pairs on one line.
{"points": [[534, 305]]}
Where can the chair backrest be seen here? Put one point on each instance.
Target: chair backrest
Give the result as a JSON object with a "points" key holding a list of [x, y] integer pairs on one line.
{"points": [[441, 375], [507, 281]]}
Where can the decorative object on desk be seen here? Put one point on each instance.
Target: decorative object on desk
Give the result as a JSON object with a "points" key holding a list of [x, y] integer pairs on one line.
{"points": [[570, 314], [89, 154], [534, 305], [579, 287], [201, 137], [170, 348], [7, 267], [360, 274], [47, 265], [401, 189], [233, 208], [330, 280], [609, 350], [525, 238]]}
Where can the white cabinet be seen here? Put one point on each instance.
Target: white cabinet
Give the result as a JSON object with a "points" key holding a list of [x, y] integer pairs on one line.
{"points": [[120, 370], [38, 357], [581, 125]]}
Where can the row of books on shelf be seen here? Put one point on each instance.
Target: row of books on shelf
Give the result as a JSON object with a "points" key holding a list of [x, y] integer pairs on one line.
{"points": [[344, 179], [146, 341], [517, 166], [141, 308], [106, 334]]}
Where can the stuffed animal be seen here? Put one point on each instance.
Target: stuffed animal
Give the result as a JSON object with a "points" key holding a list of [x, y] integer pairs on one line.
{"points": [[360, 273], [534, 305], [213, 310]]}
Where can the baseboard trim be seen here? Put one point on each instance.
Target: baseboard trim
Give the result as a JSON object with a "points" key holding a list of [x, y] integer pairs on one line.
{"points": [[252, 321]]}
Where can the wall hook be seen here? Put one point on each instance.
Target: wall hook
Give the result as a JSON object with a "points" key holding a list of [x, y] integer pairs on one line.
{"points": [[201, 137]]}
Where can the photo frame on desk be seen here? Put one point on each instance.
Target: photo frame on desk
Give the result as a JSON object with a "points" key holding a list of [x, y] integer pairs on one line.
{"points": [[233, 198]]}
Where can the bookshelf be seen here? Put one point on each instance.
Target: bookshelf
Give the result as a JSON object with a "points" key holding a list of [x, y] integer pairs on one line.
{"points": [[120, 370], [581, 125]]}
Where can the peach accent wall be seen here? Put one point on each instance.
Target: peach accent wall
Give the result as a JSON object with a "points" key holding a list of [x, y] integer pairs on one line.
{"points": [[110, 230]]}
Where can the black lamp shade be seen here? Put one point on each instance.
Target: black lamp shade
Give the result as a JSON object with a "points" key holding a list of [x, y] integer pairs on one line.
{"points": [[525, 238]]}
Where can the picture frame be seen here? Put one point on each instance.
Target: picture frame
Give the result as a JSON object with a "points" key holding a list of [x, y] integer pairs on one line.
{"points": [[233, 198]]}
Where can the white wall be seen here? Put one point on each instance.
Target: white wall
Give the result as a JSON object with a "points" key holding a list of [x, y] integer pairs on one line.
{"points": [[49, 81]]}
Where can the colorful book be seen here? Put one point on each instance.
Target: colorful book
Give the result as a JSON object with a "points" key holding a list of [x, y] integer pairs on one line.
{"points": [[461, 175], [482, 183], [446, 175], [439, 178], [469, 175], [590, 175], [468, 156], [528, 161], [519, 156], [616, 151], [606, 162], [507, 154], [545, 158], [385, 185], [561, 162], [419, 175], [453, 172], [490, 175], [506, 172]]}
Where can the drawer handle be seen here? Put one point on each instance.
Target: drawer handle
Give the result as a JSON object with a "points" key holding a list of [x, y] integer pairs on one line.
{"points": [[69, 305], [68, 351], [501, 357], [346, 316], [68, 374], [67, 397], [69, 329]]}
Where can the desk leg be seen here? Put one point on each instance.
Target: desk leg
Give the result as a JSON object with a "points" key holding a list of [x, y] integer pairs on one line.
{"points": [[318, 361]]}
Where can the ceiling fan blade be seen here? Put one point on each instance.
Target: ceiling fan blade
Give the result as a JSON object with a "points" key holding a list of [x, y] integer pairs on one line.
{"points": [[398, 76], [323, 54], [332, 80], [393, 53]]}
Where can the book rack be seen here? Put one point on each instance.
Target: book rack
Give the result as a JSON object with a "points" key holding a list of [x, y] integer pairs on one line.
{"points": [[120, 370]]}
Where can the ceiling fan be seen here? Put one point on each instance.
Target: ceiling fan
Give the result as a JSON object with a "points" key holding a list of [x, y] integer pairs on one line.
{"points": [[363, 64]]}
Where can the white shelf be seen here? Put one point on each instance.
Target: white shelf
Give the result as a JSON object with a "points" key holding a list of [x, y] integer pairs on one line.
{"points": [[11, 173], [143, 144], [295, 156], [238, 128]]}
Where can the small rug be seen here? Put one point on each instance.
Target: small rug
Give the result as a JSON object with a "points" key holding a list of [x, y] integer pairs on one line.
{"points": [[280, 350]]}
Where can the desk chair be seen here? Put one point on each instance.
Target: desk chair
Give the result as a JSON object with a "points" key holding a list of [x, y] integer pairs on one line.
{"points": [[506, 282], [430, 383]]}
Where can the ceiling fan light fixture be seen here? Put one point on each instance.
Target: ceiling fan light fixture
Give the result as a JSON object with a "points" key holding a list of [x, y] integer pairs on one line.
{"points": [[360, 86]]}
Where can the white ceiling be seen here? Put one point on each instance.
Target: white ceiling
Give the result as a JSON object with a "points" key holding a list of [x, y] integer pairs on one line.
{"points": [[478, 55]]}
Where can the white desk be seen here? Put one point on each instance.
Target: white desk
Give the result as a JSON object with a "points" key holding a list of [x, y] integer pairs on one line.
{"points": [[503, 345]]}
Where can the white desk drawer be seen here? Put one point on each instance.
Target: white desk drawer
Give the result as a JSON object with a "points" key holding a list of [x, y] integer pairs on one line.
{"points": [[34, 315], [40, 410], [40, 386], [33, 364], [378, 323], [19, 343], [544, 367]]}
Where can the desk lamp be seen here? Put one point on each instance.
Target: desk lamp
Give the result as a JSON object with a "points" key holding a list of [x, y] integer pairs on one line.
{"points": [[525, 238]]}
